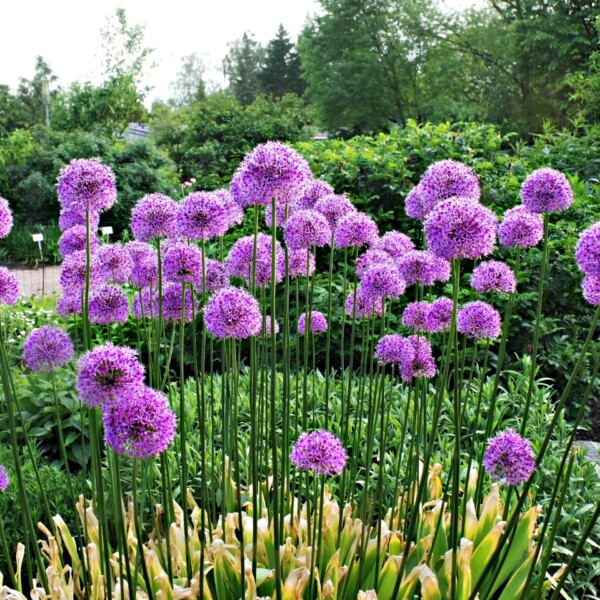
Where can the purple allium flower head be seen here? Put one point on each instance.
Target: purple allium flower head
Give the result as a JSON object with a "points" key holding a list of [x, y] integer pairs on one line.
{"points": [[171, 303], [591, 289], [414, 204], [144, 271], [114, 263], [587, 251], [232, 313], [391, 349], [306, 228], [381, 280], [6, 218], [415, 315], [154, 216], [271, 170], [356, 229], [108, 304], [202, 216], [312, 192], [266, 331], [419, 267], [73, 268], [493, 276], [461, 228], [239, 260], [75, 239], [373, 257], [520, 228], [363, 307], [4, 480], [334, 208], [479, 320], [216, 277], [546, 190], [71, 217], [439, 317], [447, 179], [70, 303], [139, 425], [86, 184], [318, 322], [297, 261], [233, 211], [182, 263], [509, 458], [320, 452], [9, 287], [108, 372], [47, 348], [417, 359], [396, 244]]}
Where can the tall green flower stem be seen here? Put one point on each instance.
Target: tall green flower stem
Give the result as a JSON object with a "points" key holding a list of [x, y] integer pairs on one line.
{"points": [[16, 581], [328, 336], [121, 528], [307, 330], [317, 534], [138, 509]]}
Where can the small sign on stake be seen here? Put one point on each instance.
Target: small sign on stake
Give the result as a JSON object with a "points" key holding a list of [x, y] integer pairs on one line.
{"points": [[39, 238], [107, 231]]}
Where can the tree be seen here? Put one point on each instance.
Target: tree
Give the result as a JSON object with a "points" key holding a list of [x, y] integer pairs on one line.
{"points": [[13, 113], [242, 66], [280, 73], [29, 92], [189, 87]]}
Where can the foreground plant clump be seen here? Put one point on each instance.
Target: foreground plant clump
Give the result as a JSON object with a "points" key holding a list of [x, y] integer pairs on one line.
{"points": [[387, 469]]}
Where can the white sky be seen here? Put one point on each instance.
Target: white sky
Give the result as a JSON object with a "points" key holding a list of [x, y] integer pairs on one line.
{"points": [[67, 33]]}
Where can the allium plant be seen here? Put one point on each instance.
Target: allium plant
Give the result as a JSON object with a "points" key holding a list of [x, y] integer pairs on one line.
{"points": [[47, 348], [6, 218], [9, 287], [86, 184], [154, 216]]}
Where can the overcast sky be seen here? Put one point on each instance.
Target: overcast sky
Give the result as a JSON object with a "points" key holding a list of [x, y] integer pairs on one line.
{"points": [[67, 33]]}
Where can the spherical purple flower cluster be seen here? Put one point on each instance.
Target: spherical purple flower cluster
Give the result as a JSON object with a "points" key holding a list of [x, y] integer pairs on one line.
{"points": [[232, 313], [239, 260], [108, 304], [361, 306], [460, 228], [73, 272], [478, 320], [72, 217], [271, 170], [47, 348], [318, 322], [154, 216], [267, 331], [493, 276], [233, 211], [306, 228], [70, 303], [520, 228], [320, 452], [381, 281], [415, 315], [422, 267], [182, 263], [216, 277], [396, 244], [509, 458], [439, 317], [144, 304], [6, 218], [373, 257], [140, 424], [108, 372], [171, 303], [334, 208], [414, 204], [390, 349], [9, 287], [591, 289], [587, 251], [4, 479], [75, 239], [546, 190], [202, 216], [297, 263], [114, 263], [86, 184], [312, 192], [144, 270], [356, 229], [417, 359]]}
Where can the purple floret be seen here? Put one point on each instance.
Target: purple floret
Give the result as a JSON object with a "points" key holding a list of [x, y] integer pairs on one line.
{"points": [[4, 479], [306, 228], [479, 320], [334, 208], [108, 304], [318, 322], [239, 260], [439, 317], [493, 276], [361, 307], [415, 315], [86, 184], [381, 281], [202, 216], [172, 300], [312, 192], [422, 267], [396, 244], [356, 229], [154, 216], [140, 425], [9, 287], [546, 190], [297, 263], [591, 289], [182, 263], [509, 458], [114, 263], [373, 257], [232, 313], [71, 217], [417, 359], [320, 452], [47, 348], [75, 239], [391, 349], [144, 271], [6, 218], [520, 228], [587, 251]]}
